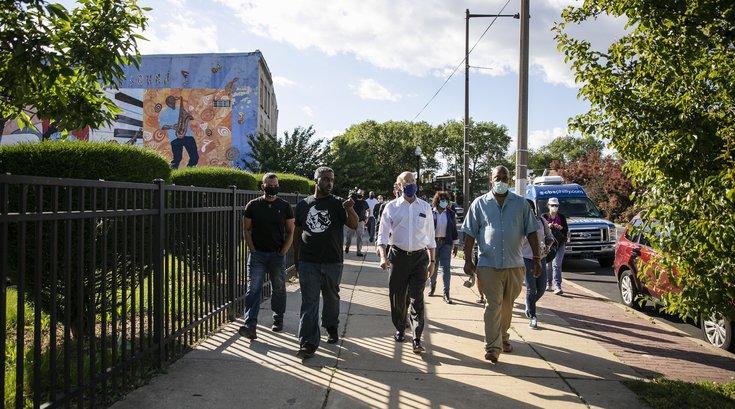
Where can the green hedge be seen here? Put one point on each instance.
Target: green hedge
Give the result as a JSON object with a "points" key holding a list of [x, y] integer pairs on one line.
{"points": [[289, 183], [215, 177], [85, 160]]}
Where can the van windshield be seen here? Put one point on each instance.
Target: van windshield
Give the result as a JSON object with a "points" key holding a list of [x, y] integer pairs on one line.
{"points": [[572, 207]]}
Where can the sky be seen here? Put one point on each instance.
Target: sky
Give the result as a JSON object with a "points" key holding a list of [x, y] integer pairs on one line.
{"points": [[339, 63]]}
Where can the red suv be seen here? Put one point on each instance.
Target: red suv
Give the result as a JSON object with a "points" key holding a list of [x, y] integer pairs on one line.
{"points": [[634, 250]]}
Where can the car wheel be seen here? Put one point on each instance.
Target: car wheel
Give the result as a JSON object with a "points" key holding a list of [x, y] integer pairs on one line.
{"points": [[628, 291], [718, 331], [606, 261]]}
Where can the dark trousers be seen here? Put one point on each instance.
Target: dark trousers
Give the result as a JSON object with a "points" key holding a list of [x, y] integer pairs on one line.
{"points": [[371, 228], [408, 277], [177, 148]]}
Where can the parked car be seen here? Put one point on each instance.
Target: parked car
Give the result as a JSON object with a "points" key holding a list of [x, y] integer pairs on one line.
{"points": [[633, 251]]}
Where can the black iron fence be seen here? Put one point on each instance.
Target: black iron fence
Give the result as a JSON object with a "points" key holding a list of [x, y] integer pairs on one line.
{"points": [[105, 282]]}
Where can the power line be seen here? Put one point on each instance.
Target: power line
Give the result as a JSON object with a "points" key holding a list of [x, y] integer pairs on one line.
{"points": [[461, 62]]}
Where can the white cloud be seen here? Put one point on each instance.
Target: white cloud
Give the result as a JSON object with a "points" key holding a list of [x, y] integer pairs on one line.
{"points": [[282, 81], [180, 32], [309, 111], [371, 89], [539, 138], [420, 38]]}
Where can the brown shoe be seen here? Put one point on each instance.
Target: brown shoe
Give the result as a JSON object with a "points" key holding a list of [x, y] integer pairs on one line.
{"points": [[492, 356], [507, 347]]}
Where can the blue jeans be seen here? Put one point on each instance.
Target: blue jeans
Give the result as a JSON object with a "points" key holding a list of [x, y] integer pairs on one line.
{"points": [[556, 267], [177, 149], [535, 287], [313, 278], [444, 259], [260, 263]]}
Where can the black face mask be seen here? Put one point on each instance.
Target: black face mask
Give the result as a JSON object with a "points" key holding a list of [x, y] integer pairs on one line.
{"points": [[359, 197], [270, 190]]}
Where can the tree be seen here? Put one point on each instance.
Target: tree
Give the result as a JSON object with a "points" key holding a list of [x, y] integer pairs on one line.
{"points": [[295, 153], [604, 181], [662, 95], [370, 155], [488, 148], [57, 61]]}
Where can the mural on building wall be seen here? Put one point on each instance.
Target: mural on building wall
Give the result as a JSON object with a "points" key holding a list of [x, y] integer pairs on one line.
{"points": [[195, 109], [188, 127]]}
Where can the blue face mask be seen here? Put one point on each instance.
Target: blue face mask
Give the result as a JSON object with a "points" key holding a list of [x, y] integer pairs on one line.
{"points": [[443, 203], [410, 189]]}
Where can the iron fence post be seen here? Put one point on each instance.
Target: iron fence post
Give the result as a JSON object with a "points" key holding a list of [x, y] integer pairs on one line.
{"points": [[233, 253], [158, 255]]}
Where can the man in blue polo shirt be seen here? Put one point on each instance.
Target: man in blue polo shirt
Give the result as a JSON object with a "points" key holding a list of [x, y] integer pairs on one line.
{"points": [[498, 221]]}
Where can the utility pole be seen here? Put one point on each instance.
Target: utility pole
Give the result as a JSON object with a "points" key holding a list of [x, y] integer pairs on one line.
{"points": [[522, 142], [466, 165]]}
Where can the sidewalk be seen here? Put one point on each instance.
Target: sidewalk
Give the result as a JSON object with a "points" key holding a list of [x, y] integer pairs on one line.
{"points": [[584, 347]]}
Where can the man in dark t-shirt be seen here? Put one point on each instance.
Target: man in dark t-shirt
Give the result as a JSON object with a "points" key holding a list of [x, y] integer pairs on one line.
{"points": [[268, 229], [361, 208], [320, 220]]}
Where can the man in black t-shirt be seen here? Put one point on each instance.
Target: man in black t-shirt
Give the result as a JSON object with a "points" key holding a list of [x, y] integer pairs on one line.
{"points": [[268, 229], [320, 219]]}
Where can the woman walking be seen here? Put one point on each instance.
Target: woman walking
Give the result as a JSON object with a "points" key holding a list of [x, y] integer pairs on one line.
{"points": [[560, 230], [447, 240]]}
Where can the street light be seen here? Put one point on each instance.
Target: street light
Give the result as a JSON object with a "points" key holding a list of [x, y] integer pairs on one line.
{"points": [[418, 168], [466, 147]]}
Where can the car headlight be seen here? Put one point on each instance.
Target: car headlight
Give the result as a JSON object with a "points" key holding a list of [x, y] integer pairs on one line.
{"points": [[614, 233]]}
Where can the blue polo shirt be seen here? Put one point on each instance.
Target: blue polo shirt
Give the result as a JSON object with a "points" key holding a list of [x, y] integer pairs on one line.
{"points": [[499, 232]]}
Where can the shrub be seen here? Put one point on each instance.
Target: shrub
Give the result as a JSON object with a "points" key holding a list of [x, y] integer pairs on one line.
{"points": [[215, 177], [80, 160], [84, 160], [289, 183]]}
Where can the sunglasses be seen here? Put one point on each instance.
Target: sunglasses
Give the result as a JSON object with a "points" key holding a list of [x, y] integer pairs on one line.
{"points": [[553, 205]]}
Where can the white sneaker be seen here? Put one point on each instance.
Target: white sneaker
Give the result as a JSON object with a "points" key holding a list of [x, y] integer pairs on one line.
{"points": [[534, 323], [558, 291], [548, 287]]}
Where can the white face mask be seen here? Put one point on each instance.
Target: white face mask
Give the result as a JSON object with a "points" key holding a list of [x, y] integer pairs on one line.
{"points": [[500, 187]]}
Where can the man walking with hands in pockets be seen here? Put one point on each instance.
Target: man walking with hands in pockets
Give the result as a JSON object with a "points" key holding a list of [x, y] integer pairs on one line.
{"points": [[407, 226], [498, 221]]}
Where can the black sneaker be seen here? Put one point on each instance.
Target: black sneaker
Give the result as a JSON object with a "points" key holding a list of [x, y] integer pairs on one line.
{"points": [[247, 332], [360, 255], [447, 299], [277, 326], [333, 335], [306, 351], [398, 336], [417, 347]]}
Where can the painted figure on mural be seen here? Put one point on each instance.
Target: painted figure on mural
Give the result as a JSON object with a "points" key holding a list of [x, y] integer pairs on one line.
{"points": [[175, 119]]}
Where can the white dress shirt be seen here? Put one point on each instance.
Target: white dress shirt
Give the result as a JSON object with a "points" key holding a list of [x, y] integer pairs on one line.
{"points": [[441, 224], [408, 226]]}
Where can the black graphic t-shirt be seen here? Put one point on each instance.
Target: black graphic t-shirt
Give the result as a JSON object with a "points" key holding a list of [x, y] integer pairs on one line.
{"points": [[269, 222], [322, 222]]}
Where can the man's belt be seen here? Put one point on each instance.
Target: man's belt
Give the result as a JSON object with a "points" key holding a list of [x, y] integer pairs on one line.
{"points": [[408, 253]]}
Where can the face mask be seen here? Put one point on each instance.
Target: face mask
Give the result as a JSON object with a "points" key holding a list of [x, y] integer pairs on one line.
{"points": [[359, 197], [271, 190], [410, 190], [443, 203], [500, 187]]}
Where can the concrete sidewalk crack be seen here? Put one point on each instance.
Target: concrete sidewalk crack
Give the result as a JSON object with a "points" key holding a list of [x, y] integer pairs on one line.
{"points": [[553, 368]]}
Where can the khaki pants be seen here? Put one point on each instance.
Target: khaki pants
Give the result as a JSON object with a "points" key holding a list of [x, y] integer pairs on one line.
{"points": [[500, 287]]}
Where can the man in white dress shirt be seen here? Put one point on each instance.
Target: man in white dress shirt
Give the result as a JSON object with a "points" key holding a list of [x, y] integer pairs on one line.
{"points": [[407, 226]]}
